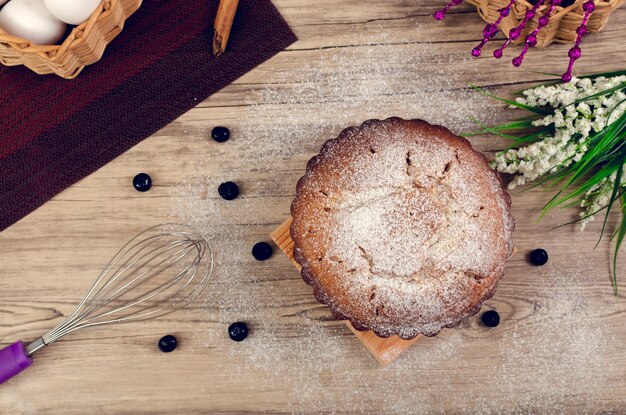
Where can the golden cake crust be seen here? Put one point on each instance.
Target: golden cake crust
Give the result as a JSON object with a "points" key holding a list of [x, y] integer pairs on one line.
{"points": [[401, 227]]}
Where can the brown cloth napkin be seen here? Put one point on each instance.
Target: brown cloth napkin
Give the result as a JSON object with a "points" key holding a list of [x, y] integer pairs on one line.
{"points": [[54, 132]]}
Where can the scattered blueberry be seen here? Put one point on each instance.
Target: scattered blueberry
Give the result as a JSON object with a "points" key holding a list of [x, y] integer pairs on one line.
{"points": [[228, 190], [167, 343], [238, 331], [490, 318], [539, 257], [220, 134], [262, 251], [142, 182]]}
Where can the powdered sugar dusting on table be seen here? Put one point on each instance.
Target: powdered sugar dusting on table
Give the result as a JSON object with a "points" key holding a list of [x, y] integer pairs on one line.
{"points": [[348, 85], [323, 367], [297, 348]]}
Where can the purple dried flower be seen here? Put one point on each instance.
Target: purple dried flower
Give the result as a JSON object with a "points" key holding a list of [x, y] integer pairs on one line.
{"points": [[515, 33], [589, 7], [441, 14], [491, 29], [581, 30], [575, 52]]}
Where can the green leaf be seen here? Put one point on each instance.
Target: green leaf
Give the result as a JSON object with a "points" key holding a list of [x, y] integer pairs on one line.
{"points": [[536, 110], [614, 192], [490, 130], [601, 93], [514, 126], [582, 188], [605, 74], [620, 238], [589, 160], [580, 219]]}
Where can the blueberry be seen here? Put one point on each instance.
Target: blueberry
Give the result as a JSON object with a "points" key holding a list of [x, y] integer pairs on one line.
{"points": [[228, 190], [167, 343], [142, 182], [490, 318], [262, 251], [220, 134], [539, 257], [238, 331]]}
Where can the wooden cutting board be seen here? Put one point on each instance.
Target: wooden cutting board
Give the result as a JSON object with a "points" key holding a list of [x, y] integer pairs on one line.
{"points": [[384, 350]]}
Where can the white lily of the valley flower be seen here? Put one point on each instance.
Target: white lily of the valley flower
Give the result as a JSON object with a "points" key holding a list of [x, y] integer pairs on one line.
{"points": [[574, 121]]}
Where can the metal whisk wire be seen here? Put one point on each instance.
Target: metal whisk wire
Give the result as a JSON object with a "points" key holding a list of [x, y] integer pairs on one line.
{"points": [[157, 272]]}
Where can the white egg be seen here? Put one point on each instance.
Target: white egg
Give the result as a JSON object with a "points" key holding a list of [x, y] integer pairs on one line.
{"points": [[72, 11], [31, 20]]}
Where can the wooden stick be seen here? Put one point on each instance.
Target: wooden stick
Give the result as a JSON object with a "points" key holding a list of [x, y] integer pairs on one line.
{"points": [[223, 23]]}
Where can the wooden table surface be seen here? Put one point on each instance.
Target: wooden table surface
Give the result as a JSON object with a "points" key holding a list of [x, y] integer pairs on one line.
{"points": [[559, 348]]}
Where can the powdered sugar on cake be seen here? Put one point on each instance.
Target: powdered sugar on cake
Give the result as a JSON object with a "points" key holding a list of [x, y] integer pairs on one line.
{"points": [[407, 229]]}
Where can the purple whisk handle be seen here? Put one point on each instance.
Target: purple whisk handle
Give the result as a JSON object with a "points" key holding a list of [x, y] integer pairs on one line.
{"points": [[13, 359]]}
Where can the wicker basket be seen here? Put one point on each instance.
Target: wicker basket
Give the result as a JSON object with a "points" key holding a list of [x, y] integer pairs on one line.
{"points": [[83, 46], [563, 22]]}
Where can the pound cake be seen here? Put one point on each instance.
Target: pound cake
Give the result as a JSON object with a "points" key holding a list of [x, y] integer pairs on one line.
{"points": [[401, 227]]}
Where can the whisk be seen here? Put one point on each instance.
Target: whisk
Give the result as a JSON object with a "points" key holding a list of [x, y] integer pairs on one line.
{"points": [[158, 271]]}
